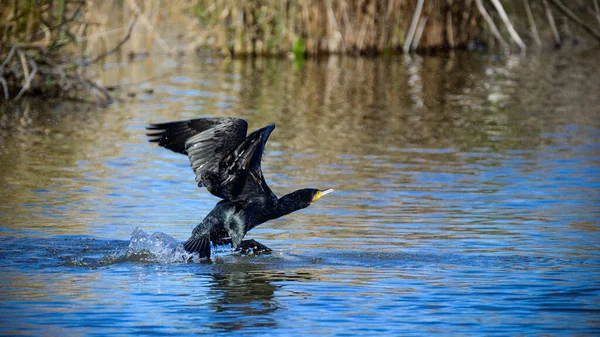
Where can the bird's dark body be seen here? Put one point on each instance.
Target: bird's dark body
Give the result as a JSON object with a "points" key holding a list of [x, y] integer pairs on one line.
{"points": [[227, 163], [233, 219]]}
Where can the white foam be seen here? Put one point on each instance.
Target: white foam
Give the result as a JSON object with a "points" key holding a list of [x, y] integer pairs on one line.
{"points": [[158, 247]]}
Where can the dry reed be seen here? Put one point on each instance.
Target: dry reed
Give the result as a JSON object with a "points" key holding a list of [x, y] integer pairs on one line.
{"points": [[42, 47], [46, 45], [276, 27]]}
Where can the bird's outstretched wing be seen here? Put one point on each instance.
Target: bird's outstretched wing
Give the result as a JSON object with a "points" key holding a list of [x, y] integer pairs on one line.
{"points": [[243, 167], [256, 186], [206, 141], [224, 160]]}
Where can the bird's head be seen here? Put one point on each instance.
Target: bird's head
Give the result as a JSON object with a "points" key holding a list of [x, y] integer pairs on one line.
{"points": [[305, 197]]}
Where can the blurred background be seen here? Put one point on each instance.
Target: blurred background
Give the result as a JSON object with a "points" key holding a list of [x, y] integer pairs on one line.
{"points": [[47, 47]]}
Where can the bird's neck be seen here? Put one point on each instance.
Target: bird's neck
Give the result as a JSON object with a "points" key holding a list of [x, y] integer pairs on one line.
{"points": [[286, 205]]}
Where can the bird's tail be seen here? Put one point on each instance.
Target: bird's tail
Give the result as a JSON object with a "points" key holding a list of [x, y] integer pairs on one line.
{"points": [[200, 245]]}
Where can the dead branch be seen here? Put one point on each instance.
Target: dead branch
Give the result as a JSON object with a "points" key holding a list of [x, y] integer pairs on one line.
{"points": [[332, 21], [491, 24], [5, 86], [449, 30], [511, 30], [8, 58], [23, 63], [552, 23], [89, 83], [28, 82], [419, 33], [150, 28], [534, 31], [116, 48], [566, 11], [413, 26], [39, 60]]}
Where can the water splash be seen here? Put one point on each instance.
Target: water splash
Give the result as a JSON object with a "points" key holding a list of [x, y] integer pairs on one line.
{"points": [[158, 248], [155, 248]]}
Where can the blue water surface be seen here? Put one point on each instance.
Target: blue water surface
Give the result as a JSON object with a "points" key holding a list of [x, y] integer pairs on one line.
{"points": [[466, 202]]}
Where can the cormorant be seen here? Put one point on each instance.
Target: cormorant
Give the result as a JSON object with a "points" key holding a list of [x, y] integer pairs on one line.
{"points": [[227, 163]]}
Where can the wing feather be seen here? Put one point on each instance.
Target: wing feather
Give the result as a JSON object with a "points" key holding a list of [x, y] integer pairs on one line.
{"points": [[204, 140], [224, 160]]}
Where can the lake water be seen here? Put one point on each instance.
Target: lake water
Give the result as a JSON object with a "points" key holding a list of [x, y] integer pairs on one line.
{"points": [[466, 203]]}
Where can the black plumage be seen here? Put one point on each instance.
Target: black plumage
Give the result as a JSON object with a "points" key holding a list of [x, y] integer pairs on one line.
{"points": [[227, 163]]}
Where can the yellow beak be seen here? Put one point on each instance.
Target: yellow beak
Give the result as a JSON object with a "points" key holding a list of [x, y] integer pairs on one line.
{"points": [[320, 194]]}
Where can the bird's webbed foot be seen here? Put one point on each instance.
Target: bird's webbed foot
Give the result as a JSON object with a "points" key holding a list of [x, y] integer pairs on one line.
{"points": [[252, 247]]}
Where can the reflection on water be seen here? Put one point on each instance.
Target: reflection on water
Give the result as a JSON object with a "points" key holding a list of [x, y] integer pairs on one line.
{"points": [[466, 201]]}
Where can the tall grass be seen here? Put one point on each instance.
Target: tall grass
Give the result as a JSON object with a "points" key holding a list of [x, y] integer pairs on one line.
{"points": [[333, 26], [275, 27], [46, 45]]}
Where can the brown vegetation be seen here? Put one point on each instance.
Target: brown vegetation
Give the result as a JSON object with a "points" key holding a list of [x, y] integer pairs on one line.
{"points": [[42, 50], [372, 26], [46, 46], [346, 26]]}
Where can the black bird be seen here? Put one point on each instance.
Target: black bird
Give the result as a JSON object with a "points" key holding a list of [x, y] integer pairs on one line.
{"points": [[227, 163]]}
